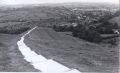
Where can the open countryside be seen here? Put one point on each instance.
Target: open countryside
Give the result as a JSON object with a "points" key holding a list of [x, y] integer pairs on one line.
{"points": [[73, 37]]}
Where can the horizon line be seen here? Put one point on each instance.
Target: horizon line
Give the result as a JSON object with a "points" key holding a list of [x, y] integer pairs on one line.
{"points": [[60, 3]]}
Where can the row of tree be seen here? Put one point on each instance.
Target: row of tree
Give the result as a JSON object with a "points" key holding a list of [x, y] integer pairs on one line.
{"points": [[14, 29]]}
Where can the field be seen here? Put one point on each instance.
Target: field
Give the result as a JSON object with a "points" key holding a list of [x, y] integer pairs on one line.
{"points": [[73, 52]]}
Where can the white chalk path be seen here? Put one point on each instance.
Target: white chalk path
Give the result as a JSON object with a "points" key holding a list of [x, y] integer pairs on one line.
{"points": [[41, 63]]}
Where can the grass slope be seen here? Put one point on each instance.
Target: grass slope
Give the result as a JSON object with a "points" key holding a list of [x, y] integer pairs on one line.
{"points": [[73, 52], [11, 60], [115, 18]]}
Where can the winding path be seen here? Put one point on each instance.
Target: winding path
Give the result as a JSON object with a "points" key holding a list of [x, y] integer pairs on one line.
{"points": [[41, 63]]}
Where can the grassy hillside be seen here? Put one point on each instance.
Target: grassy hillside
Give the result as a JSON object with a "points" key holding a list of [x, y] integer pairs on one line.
{"points": [[35, 14], [11, 60], [73, 52], [115, 18], [44, 14]]}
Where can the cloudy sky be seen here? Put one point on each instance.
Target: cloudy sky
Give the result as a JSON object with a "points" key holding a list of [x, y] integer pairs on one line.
{"points": [[13, 2]]}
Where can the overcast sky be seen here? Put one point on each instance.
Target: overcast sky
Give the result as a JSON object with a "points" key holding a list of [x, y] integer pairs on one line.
{"points": [[12, 2]]}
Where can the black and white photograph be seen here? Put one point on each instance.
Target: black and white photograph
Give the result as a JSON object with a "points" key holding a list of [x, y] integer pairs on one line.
{"points": [[60, 36]]}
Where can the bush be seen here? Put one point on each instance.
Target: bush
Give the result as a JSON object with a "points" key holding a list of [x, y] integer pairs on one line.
{"points": [[86, 34], [63, 28], [107, 28]]}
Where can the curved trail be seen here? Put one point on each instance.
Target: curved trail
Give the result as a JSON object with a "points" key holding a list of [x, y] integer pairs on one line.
{"points": [[41, 63]]}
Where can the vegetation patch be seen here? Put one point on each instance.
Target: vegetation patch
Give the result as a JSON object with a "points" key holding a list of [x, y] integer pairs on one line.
{"points": [[14, 29]]}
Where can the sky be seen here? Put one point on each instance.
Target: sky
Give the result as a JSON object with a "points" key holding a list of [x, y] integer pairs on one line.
{"points": [[16, 2]]}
